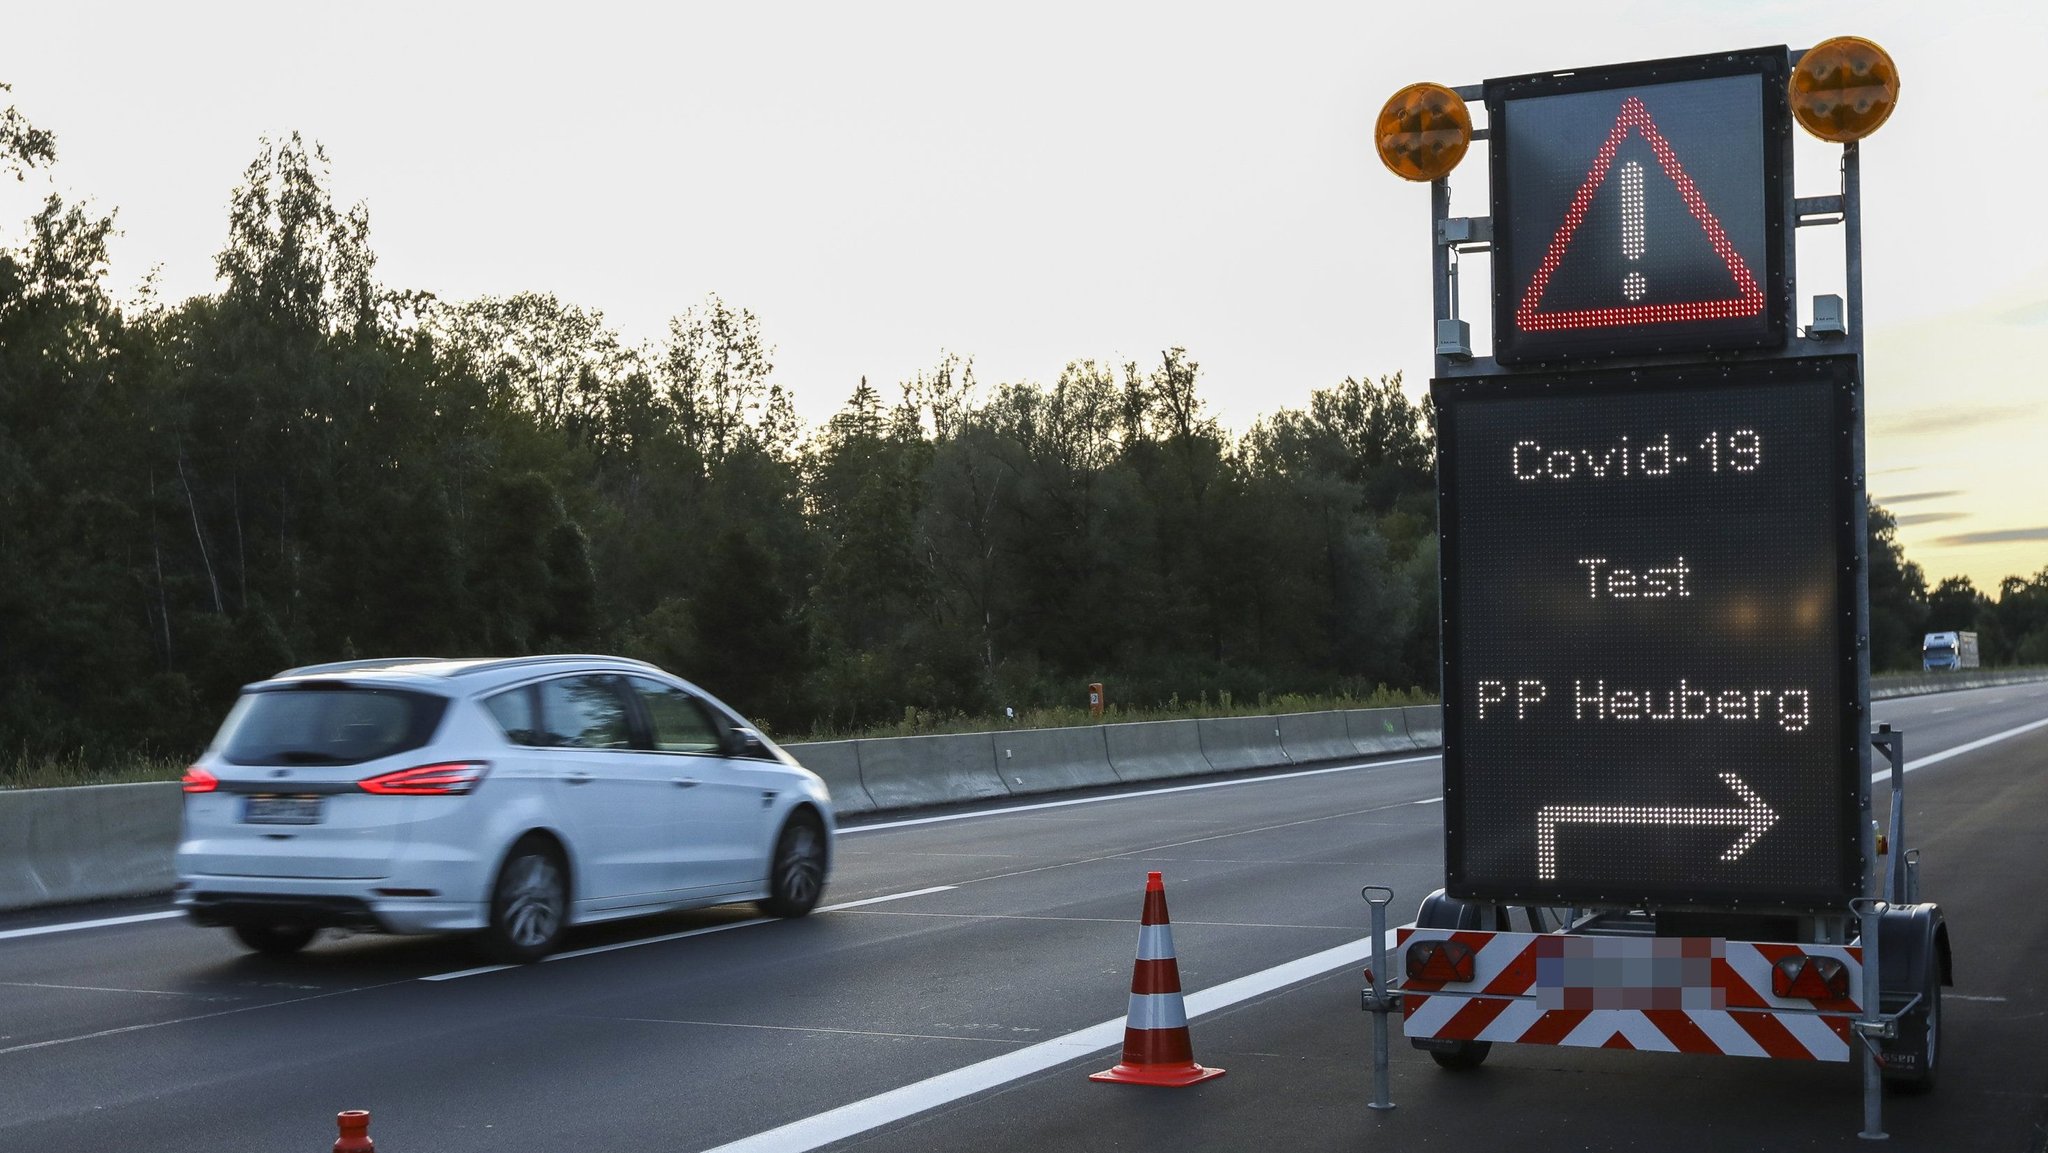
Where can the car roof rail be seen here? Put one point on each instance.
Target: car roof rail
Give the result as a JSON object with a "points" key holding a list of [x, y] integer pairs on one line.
{"points": [[371, 663], [551, 659]]}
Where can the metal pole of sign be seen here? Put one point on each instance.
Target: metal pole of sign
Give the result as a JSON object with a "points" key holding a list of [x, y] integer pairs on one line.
{"points": [[1378, 1003], [1870, 1024], [1439, 262]]}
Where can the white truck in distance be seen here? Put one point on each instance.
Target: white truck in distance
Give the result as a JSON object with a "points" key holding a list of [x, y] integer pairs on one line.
{"points": [[1942, 652]]}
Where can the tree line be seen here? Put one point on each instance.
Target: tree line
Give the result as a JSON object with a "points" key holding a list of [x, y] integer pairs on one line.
{"points": [[306, 465]]}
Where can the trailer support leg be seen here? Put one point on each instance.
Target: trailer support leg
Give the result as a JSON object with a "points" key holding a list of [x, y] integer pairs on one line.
{"points": [[1378, 1003], [1868, 1026]]}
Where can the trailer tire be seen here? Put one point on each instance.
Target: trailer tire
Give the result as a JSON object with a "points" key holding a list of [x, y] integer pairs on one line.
{"points": [[1462, 1056]]}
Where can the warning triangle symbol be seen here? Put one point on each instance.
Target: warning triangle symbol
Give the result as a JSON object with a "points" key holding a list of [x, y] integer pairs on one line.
{"points": [[1745, 296]]}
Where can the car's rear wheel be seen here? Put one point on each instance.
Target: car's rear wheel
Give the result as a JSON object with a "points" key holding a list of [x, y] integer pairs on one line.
{"points": [[796, 877], [529, 903], [273, 939]]}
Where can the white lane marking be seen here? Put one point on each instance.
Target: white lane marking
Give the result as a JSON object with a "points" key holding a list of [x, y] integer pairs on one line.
{"points": [[1008, 809], [1959, 750], [891, 897], [705, 931], [1949, 709], [896, 1104], [1967, 997], [74, 926], [1428, 801]]}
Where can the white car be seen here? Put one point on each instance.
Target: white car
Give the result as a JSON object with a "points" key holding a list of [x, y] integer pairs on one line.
{"points": [[510, 797]]}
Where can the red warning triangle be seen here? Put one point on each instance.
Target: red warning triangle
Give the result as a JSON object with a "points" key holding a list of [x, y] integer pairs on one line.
{"points": [[1748, 299]]}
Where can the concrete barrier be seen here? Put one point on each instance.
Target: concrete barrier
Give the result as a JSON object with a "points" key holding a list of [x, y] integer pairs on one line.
{"points": [[1048, 760], [1377, 731], [1233, 743], [1315, 737], [87, 843], [1425, 724], [839, 763], [103, 841], [908, 772], [1887, 685], [1155, 750]]}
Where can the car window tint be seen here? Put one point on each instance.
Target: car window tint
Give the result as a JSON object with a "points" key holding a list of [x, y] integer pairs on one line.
{"points": [[327, 725], [584, 713], [515, 712], [681, 725]]}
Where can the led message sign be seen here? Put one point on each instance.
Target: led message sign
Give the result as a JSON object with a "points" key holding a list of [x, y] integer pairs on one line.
{"points": [[1649, 663], [1642, 208]]}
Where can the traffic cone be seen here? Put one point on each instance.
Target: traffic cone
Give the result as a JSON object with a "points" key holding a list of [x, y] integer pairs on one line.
{"points": [[1157, 1049], [355, 1132]]}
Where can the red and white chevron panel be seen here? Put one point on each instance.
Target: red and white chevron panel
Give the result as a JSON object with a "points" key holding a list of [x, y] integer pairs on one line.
{"points": [[1661, 994]]}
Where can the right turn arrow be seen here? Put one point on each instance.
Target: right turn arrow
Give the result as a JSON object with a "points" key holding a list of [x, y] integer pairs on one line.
{"points": [[1753, 817]]}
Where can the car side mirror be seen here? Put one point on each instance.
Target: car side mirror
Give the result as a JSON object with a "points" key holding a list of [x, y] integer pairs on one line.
{"points": [[744, 743]]}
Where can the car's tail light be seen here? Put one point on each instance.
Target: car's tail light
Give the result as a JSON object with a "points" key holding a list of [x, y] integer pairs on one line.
{"points": [[448, 779], [198, 780], [1440, 961]]}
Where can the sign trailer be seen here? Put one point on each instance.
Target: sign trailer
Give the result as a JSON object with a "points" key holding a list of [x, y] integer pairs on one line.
{"points": [[1655, 672]]}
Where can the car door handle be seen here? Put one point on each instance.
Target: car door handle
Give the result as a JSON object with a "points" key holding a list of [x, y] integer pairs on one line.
{"points": [[577, 778], [687, 782]]}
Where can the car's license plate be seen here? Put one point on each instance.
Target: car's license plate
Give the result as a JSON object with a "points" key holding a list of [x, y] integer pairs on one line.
{"points": [[275, 810]]}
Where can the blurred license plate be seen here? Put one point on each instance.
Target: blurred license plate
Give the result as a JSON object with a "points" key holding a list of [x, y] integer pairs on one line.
{"points": [[269, 810]]}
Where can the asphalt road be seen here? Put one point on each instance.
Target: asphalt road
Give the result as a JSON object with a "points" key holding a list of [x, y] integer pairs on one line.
{"points": [[964, 1005]]}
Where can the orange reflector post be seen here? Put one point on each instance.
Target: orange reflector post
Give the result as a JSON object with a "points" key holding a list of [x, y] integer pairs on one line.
{"points": [[1423, 132], [1844, 89]]}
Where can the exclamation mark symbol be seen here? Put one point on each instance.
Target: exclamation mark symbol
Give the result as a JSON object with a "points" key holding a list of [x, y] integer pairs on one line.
{"points": [[1633, 235]]}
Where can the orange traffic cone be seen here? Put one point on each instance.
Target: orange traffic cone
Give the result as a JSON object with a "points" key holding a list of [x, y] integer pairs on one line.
{"points": [[1157, 1049]]}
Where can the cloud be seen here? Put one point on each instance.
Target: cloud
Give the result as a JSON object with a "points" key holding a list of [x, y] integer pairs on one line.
{"points": [[1929, 517], [1910, 497], [1996, 536], [1921, 421]]}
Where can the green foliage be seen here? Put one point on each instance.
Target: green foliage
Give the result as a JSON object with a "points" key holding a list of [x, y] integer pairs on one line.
{"points": [[1898, 597], [305, 465]]}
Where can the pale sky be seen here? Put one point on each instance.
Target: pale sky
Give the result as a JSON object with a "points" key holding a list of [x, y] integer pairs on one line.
{"points": [[882, 183]]}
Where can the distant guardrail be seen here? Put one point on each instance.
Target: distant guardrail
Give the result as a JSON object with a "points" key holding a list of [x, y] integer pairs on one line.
{"points": [[1915, 684]]}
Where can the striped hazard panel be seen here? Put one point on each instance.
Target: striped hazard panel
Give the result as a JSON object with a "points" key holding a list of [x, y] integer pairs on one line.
{"points": [[1659, 994]]}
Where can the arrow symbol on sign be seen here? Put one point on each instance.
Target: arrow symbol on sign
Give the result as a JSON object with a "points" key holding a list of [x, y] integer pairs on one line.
{"points": [[1753, 817]]}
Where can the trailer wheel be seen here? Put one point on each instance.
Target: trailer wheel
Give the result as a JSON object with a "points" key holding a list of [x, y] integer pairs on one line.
{"points": [[1462, 1055], [1918, 1075]]}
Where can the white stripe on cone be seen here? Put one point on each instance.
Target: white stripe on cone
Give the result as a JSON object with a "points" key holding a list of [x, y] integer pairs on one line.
{"points": [[1155, 942], [1157, 1011]]}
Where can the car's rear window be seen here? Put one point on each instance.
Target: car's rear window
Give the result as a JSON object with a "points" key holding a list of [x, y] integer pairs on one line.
{"points": [[327, 725]]}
